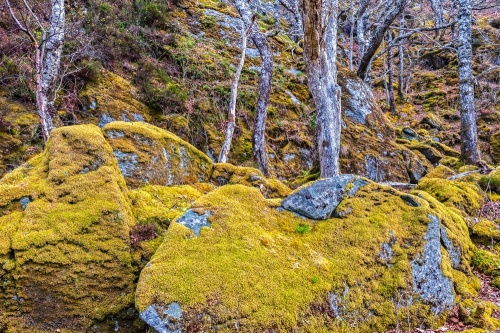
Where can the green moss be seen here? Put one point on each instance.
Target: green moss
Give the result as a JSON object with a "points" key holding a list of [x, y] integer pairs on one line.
{"points": [[491, 182], [495, 147], [479, 314], [461, 195], [225, 173], [440, 171], [486, 232], [285, 276], [68, 253]]}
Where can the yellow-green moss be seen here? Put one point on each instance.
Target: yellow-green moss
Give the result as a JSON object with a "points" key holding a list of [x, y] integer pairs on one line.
{"points": [[495, 146], [225, 173], [67, 255], [479, 314], [491, 182], [486, 232], [254, 266], [440, 171], [464, 196]]}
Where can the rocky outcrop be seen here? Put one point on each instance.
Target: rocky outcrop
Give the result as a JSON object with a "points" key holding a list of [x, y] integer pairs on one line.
{"points": [[65, 257], [149, 155], [258, 267]]}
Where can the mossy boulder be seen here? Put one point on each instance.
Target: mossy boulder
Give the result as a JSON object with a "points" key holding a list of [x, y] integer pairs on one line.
{"points": [[65, 257], [255, 267], [491, 182], [149, 155], [225, 173], [466, 197]]}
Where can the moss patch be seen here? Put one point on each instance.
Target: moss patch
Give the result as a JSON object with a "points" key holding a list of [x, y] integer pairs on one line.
{"points": [[65, 260]]}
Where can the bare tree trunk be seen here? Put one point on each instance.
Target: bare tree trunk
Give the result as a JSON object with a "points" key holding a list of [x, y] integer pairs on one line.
{"points": [[266, 74], [361, 27], [292, 7], [390, 83], [320, 48], [396, 9], [231, 116], [401, 56], [351, 38], [437, 8], [468, 131], [46, 50], [52, 55]]}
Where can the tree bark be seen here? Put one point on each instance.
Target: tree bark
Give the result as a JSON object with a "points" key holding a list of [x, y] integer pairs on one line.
{"points": [[390, 83], [231, 116], [401, 56], [437, 8], [468, 131], [52, 56], [266, 74], [378, 35], [320, 50]]}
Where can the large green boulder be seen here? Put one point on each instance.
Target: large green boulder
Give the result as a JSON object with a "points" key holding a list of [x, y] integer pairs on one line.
{"points": [[65, 260]]}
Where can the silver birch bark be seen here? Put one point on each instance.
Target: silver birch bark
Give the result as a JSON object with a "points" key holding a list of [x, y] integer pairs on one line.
{"points": [[378, 35], [468, 130], [52, 54], [260, 41], [231, 116], [437, 8], [390, 82], [320, 50], [47, 59], [401, 56]]}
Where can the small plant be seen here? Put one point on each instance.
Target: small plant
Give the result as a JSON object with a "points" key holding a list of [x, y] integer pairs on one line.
{"points": [[315, 279], [302, 228]]}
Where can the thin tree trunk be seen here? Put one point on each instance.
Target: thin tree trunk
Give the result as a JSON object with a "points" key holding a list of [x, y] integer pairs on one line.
{"points": [[401, 56], [437, 8], [231, 116], [266, 74], [351, 38], [468, 131], [390, 83], [320, 48], [52, 55], [378, 36]]}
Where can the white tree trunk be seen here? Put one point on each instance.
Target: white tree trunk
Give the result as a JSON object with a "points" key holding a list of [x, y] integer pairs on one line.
{"points": [[52, 55], [377, 37], [231, 116], [401, 56], [390, 82], [266, 74], [468, 131], [437, 8], [320, 48]]}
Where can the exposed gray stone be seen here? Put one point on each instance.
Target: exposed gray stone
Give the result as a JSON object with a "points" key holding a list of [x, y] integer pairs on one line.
{"points": [[360, 102], [166, 322], [319, 200], [428, 279], [126, 162], [410, 134], [453, 251], [194, 221], [294, 98], [410, 200], [386, 252], [24, 202], [105, 119]]}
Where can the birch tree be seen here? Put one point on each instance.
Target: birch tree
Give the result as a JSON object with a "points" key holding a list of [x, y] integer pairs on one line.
{"points": [[370, 45], [47, 46], [231, 118], [319, 19], [266, 74], [468, 130]]}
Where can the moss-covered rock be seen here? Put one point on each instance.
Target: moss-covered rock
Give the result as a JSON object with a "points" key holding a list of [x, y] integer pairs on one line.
{"points": [[65, 257], [495, 146], [258, 268], [225, 173], [491, 182], [465, 196], [149, 155]]}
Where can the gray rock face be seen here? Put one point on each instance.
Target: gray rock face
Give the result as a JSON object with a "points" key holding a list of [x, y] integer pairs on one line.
{"points": [[194, 221], [165, 321], [428, 278], [361, 102], [105, 119], [319, 200], [410, 134], [24, 202], [126, 162]]}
